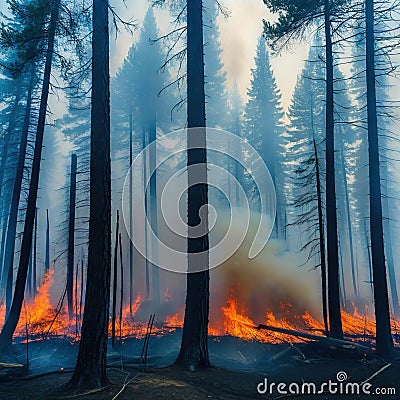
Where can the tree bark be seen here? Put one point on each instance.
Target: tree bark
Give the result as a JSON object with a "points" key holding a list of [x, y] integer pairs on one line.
{"points": [[121, 299], [34, 265], [321, 239], [71, 237], [155, 272], [194, 347], [16, 306], [6, 143], [384, 341], [90, 370], [335, 322], [47, 256], [130, 212], [115, 276]]}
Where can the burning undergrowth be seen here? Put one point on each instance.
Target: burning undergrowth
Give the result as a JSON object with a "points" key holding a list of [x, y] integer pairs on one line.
{"points": [[244, 294]]}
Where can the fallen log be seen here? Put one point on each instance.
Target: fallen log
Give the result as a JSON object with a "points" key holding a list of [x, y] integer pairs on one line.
{"points": [[10, 365], [322, 339]]}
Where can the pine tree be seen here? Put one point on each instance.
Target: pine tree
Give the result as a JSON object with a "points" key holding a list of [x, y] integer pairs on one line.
{"points": [[215, 76], [263, 122]]}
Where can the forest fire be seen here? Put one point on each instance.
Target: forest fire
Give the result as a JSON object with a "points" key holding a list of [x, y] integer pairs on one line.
{"points": [[41, 319]]}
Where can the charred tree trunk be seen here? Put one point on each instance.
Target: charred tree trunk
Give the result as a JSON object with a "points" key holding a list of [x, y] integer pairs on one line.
{"points": [[34, 264], [130, 212], [6, 143], [47, 256], [384, 341], [146, 201], [155, 272], [121, 299], [3, 242], [194, 347], [321, 239], [390, 259], [335, 322], [348, 220], [71, 237], [15, 197], [115, 276], [90, 370], [12, 320]]}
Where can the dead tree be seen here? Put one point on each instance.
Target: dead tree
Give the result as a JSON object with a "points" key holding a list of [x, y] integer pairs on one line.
{"points": [[115, 276], [71, 237]]}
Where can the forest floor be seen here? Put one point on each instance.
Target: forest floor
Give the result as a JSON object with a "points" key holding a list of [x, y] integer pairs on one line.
{"points": [[217, 383]]}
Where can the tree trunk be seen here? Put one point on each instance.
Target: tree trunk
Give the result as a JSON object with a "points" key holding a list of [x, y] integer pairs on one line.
{"points": [[6, 143], [71, 238], [155, 271], [121, 299], [146, 201], [194, 347], [115, 276], [16, 194], [321, 239], [47, 256], [388, 239], [130, 212], [12, 320], [90, 370], [384, 341], [34, 266], [331, 215], [3, 242], [348, 220]]}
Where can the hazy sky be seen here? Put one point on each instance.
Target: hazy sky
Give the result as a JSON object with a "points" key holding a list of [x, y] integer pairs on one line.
{"points": [[239, 35]]}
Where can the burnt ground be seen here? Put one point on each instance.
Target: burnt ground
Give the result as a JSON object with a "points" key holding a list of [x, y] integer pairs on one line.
{"points": [[239, 367]]}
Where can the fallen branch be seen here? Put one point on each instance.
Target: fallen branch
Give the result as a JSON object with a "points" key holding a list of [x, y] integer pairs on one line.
{"points": [[124, 386], [376, 373]]}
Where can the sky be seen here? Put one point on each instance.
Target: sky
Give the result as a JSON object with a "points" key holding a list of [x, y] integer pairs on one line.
{"points": [[239, 34]]}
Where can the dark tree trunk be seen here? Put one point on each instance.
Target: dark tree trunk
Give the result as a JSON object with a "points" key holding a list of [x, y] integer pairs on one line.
{"points": [[155, 272], [335, 322], [47, 256], [29, 277], [130, 212], [12, 320], [321, 239], [16, 194], [348, 221], [90, 370], [121, 299], [388, 239], [6, 143], [194, 347], [3, 243], [384, 341], [71, 238], [115, 276], [34, 266], [390, 259], [146, 201]]}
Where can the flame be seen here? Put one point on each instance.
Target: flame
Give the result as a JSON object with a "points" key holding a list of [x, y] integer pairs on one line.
{"points": [[41, 318]]}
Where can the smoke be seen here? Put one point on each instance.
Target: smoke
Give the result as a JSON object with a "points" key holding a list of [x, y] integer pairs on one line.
{"points": [[273, 281]]}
